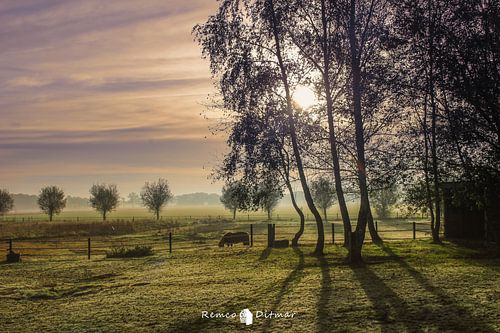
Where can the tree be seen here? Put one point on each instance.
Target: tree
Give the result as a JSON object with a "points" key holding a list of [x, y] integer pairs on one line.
{"points": [[323, 192], [235, 196], [134, 199], [104, 198], [51, 200], [383, 199], [6, 202], [156, 195], [268, 196], [248, 55]]}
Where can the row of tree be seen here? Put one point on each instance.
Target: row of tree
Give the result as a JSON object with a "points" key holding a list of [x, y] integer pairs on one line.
{"points": [[407, 93], [104, 198]]}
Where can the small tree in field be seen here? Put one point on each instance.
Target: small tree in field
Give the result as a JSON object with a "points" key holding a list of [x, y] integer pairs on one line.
{"points": [[384, 199], [268, 196], [323, 192], [104, 198], [6, 202], [51, 200], [235, 195], [156, 195], [134, 199]]}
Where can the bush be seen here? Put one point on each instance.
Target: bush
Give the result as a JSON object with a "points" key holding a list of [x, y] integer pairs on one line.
{"points": [[123, 252]]}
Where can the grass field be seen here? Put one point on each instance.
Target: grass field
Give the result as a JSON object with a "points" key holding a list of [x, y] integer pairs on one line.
{"points": [[178, 212], [409, 286]]}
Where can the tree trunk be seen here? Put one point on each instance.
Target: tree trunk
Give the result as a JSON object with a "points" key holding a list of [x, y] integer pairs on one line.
{"points": [[320, 244], [234, 213], [295, 240], [268, 214], [364, 215], [50, 216], [324, 214], [331, 130], [104, 216], [157, 215], [434, 159]]}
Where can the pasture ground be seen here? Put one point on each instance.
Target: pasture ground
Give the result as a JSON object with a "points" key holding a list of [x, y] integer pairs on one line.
{"points": [[406, 286]]}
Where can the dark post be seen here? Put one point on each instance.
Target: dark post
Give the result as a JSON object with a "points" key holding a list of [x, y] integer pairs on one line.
{"points": [[170, 242], [274, 232], [251, 234], [88, 248], [376, 226], [268, 235], [414, 230], [333, 233]]}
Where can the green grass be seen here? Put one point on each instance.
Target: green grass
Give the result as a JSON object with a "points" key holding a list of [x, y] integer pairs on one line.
{"points": [[407, 286]]}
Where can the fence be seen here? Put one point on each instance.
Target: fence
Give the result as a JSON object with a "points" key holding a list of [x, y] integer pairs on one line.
{"points": [[291, 216], [173, 242]]}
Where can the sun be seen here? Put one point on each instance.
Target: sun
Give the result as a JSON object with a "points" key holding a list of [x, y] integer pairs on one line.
{"points": [[304, 96]]}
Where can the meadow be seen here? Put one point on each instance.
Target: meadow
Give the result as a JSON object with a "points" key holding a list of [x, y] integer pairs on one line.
{"points": [[404, 286]]}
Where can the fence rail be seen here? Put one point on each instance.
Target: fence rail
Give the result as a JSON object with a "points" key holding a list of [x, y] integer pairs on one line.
{"points": [[172, 242]]}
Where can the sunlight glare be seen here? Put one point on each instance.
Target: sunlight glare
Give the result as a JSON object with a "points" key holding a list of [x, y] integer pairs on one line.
{"points": [[304, 96]]}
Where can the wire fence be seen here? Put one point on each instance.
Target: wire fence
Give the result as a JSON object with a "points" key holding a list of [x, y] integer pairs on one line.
{"points": [[202, 238], [253, 216]]}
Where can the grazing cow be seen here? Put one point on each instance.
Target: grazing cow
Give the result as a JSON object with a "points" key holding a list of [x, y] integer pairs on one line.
{"points": [[233, 238]]}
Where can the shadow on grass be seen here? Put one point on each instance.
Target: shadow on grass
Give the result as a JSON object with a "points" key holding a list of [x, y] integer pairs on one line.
{"points": [[294, 276], [323, 316], [468, 322], [384, 299], [265, 253], [199, 324]]}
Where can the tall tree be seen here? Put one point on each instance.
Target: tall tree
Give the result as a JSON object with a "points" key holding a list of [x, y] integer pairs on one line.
{"points": [[104, 198], [6, 202], [246, 33], [156, 195], [51, 200]]}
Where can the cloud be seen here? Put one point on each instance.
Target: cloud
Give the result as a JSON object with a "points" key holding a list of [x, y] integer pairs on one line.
{"points": [[99, 86]]}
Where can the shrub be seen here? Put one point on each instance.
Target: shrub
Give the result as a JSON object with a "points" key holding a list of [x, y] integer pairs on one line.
{"points": [[123, 252]]}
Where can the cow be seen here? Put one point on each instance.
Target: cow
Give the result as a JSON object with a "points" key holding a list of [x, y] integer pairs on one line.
{"points": [[233, 238]]}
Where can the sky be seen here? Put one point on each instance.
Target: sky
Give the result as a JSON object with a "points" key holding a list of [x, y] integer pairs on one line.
{"points": [[104, 91]]}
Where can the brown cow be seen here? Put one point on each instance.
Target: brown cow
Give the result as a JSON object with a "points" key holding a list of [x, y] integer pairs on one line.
{"points": [[233, 238]]}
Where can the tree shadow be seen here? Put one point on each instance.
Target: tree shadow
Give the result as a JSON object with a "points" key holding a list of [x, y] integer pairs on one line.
{"points": [[265, 253], [294, 276], [323, 317], [468, 321], [384, 299]]}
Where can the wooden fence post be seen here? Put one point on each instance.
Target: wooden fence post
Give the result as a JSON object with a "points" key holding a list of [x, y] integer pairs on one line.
{"points": [[88, 249], [270, 235], [170, 242], [251, 234], [274, 233], [333, 233], [414, 230]]}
